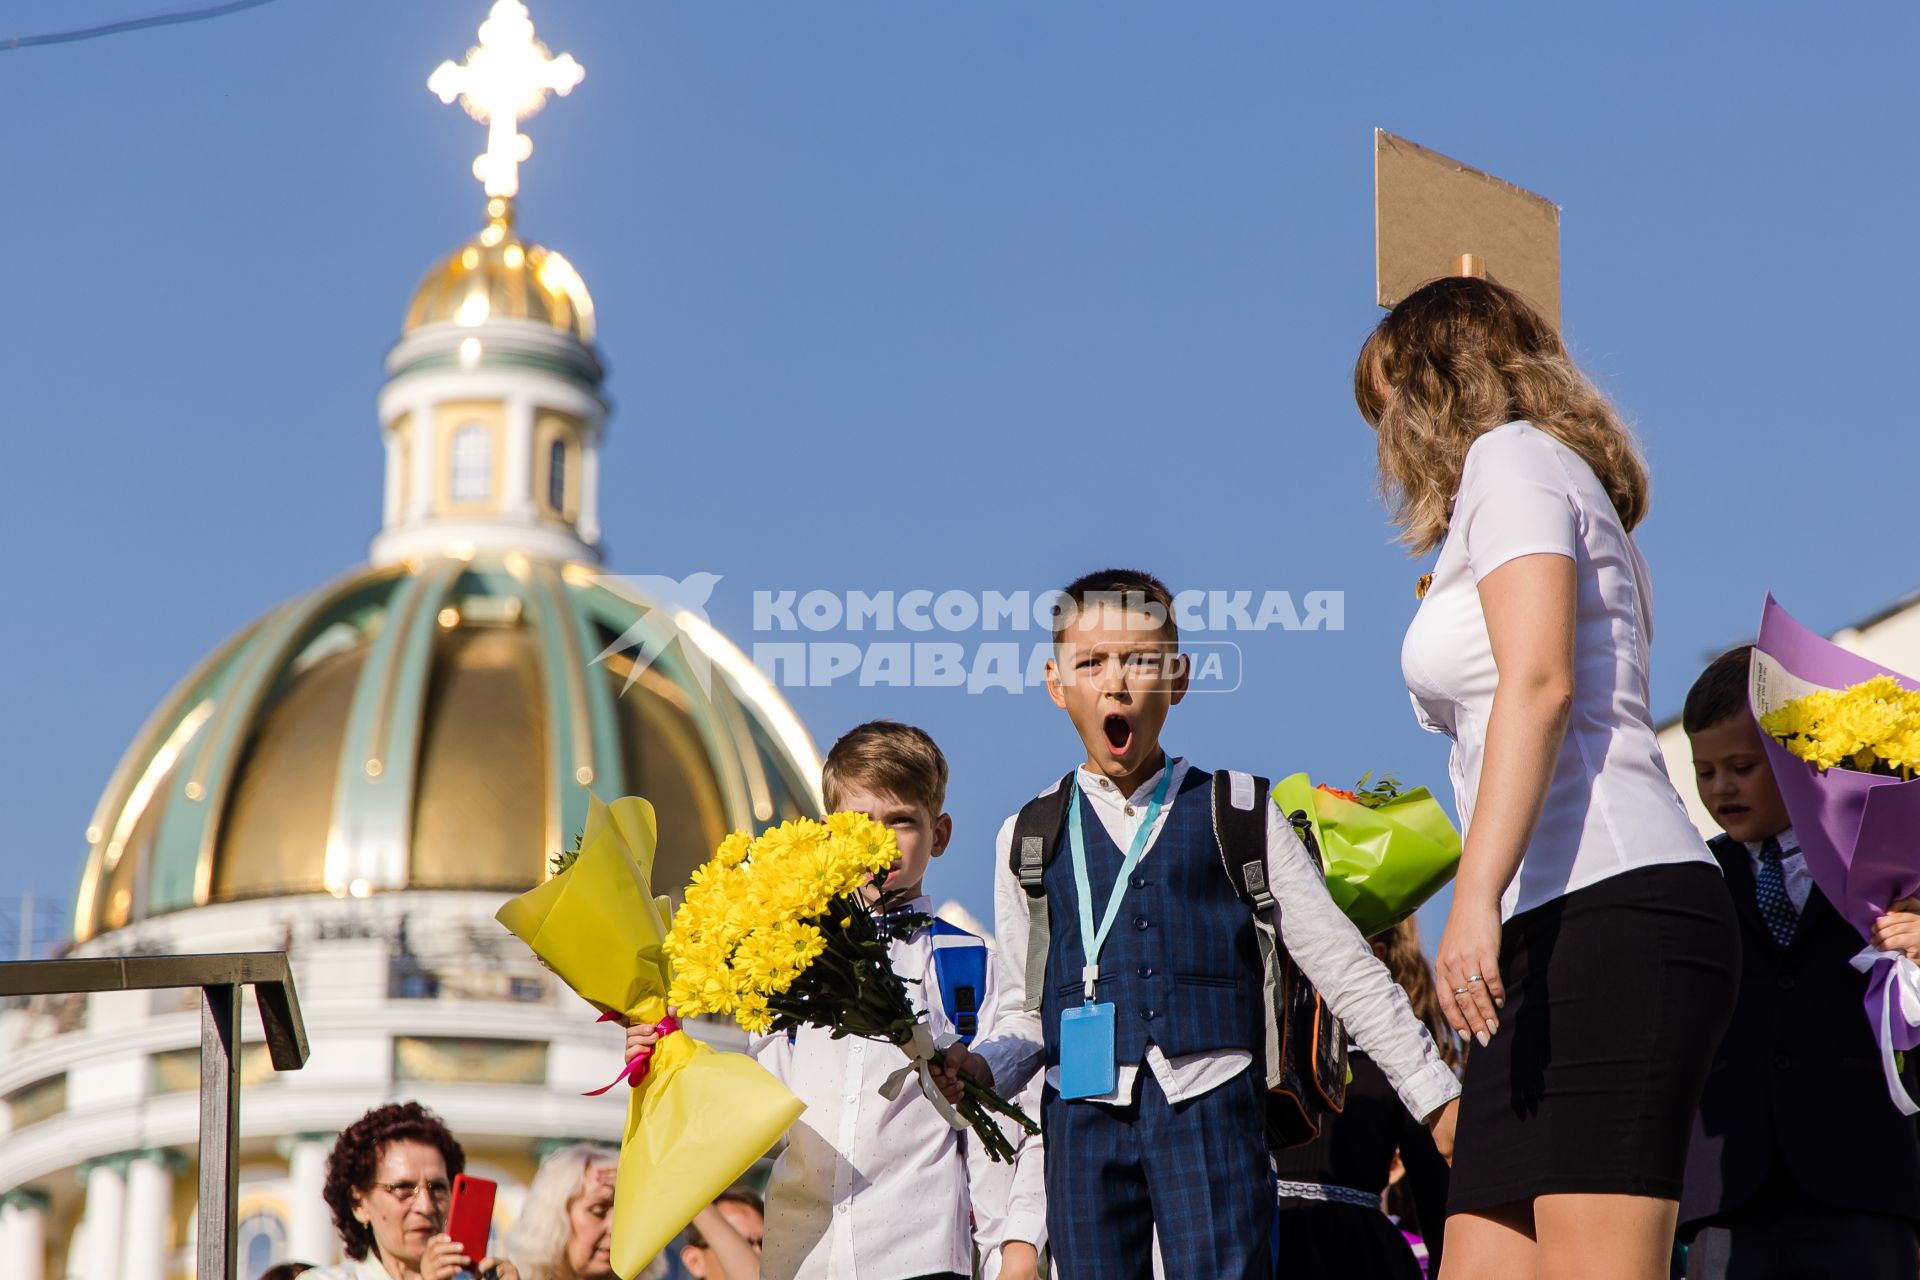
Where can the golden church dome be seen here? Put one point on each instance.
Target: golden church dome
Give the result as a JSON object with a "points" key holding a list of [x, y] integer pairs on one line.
{"points": [[438, 724], [497, 276]]}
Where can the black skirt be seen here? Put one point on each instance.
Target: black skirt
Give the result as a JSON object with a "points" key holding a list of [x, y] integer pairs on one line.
{"points": [[1617, 995]]}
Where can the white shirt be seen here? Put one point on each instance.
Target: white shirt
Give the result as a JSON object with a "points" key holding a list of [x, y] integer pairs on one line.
{"points": [[866, 1189], [1328, 949], [1793, 867], [1010, 1199], [1610, 807], [367, 1268]]}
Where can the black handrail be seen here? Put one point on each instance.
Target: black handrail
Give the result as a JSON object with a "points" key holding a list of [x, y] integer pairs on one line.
{"points": [[219, 977]]}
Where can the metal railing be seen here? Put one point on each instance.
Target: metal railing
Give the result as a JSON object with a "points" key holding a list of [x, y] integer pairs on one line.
{"points": [[32, 928], [219, 978]]}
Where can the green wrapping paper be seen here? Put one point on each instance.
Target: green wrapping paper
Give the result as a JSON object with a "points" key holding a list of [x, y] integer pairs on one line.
{"points": [[1382, 863]]}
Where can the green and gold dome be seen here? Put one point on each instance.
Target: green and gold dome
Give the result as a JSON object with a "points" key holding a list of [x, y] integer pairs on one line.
{"points": [[437, 725], [437, 719]]}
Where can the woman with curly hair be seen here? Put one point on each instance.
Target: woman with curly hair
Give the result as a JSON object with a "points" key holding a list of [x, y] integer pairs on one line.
{"points": [[389, 1182], [1591, 946]]}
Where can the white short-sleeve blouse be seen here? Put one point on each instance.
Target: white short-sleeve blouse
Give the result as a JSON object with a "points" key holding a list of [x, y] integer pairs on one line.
{"points": [[1611, 807]]}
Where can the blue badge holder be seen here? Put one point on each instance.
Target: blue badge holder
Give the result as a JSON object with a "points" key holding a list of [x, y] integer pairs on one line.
{"points": [[1087, 1067]]}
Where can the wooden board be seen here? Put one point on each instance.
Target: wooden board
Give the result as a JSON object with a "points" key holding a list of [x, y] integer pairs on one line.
{"points": [[1430, 210]]}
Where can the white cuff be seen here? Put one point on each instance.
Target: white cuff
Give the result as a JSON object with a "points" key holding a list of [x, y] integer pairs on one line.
{"points": [[1429, 1089]]}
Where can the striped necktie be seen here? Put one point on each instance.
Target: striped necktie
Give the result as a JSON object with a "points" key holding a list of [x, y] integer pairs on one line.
{"points": [[1770, 890]]}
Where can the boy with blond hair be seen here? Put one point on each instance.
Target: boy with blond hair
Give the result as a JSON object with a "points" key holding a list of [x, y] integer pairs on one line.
{"points": [[866, 1187]]}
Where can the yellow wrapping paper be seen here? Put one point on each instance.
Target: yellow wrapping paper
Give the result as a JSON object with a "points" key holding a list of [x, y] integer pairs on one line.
{"points": [[700, 1118]]}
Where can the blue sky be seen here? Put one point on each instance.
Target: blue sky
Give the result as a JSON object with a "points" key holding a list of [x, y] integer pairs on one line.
{"points": [[964, 296]]}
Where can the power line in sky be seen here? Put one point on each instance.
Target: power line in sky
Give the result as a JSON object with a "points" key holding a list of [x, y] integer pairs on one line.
{"points": [[130, 24]]}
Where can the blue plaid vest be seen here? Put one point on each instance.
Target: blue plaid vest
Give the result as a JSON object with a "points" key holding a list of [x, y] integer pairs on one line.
{"points": [[1182, 965]]}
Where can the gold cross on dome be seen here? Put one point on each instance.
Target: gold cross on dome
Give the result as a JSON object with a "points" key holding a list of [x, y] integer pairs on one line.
{"points": [[505, 79]]}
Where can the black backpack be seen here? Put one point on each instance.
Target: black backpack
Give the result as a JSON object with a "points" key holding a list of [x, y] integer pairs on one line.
{"points": [[1306, 1048]]}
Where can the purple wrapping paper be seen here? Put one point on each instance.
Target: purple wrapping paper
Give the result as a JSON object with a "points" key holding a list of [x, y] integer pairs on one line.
{"points": [[1860, 832]]}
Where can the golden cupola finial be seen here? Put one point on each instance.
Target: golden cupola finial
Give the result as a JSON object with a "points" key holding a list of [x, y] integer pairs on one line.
{"points": [[499, 221], [491, 412]]}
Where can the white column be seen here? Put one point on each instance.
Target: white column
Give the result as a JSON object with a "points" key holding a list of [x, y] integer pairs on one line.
{"points": [[421, 435], [23, 1235], [517, 501], [106, 1218], [149, 1201], [310, 1235], [589, 522], [391, 497]]}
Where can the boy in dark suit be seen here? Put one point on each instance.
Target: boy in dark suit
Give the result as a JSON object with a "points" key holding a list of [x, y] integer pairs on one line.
{"points": [[1800, 1166], [1151, 1026]]}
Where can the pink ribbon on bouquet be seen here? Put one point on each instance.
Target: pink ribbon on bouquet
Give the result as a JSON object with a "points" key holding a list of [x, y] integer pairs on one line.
{"points": [[636, 1070]]}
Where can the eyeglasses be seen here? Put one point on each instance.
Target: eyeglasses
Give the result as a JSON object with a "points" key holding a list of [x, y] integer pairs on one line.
{"points": [[408, 1192]]}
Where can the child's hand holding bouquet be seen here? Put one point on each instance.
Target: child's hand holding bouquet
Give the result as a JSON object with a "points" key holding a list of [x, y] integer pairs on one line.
{"points": [[777, 933]]}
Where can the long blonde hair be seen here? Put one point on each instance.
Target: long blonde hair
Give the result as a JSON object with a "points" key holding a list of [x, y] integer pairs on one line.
{"points": [[537, 1241], [1457, 358]]}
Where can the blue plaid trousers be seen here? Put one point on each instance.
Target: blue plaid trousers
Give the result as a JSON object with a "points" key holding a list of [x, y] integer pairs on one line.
{"points": [[1197, 1170]]}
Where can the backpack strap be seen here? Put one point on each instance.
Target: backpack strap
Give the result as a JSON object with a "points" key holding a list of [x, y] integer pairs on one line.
{"points": [[1036, 838], [1240, 831], [960, 971]]}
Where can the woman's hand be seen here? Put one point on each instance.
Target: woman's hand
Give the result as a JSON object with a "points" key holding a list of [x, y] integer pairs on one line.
{"points": [[444, 1259], [1899, 929], [1467, 967]]}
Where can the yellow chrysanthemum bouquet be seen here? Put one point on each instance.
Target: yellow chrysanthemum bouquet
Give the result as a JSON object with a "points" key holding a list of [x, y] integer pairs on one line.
{"points": [[777, 933], [1842, 735], [1869, 727], [599, 927]]}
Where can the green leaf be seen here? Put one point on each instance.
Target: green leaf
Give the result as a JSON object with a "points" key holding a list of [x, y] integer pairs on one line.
{"points": [[561, 861], [1383, 792]]}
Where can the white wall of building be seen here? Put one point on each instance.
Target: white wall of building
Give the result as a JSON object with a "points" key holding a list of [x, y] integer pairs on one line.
{"points": [[117, 1152]]}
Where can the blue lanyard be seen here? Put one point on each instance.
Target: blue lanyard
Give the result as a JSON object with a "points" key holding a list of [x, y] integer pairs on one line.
{"points": [[1091, 940]]}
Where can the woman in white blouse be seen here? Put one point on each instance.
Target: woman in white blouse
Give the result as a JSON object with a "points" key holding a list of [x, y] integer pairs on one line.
{"points": [[1591, 949]]}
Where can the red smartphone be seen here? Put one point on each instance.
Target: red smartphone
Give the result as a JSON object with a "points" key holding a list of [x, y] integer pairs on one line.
{"points": [[470, 1216]]}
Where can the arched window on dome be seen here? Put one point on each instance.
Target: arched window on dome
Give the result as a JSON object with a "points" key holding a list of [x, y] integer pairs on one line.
{"points": [[261, 1239], [557, 476], [472, 463]]}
